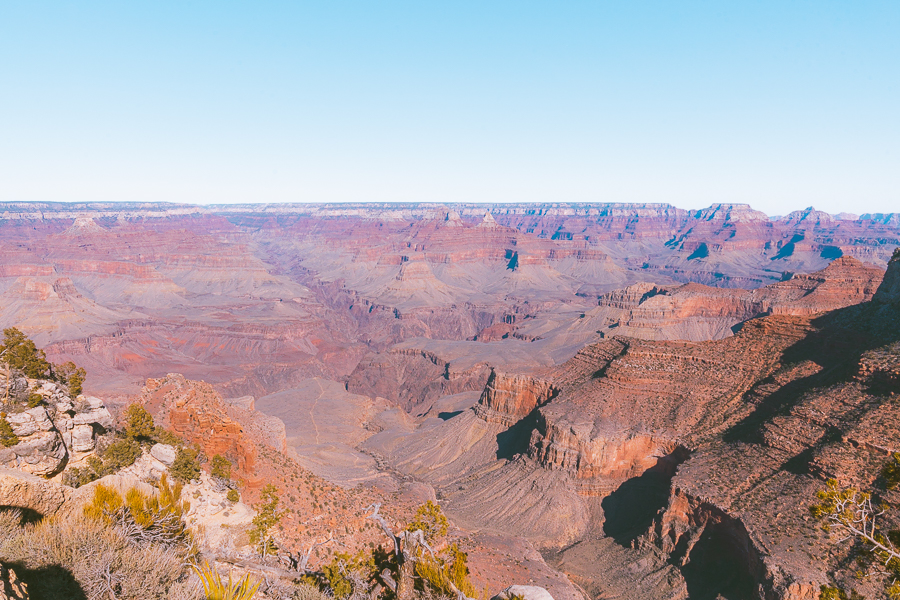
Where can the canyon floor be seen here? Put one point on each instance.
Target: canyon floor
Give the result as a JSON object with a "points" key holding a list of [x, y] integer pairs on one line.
{"points": [[611, 400]]}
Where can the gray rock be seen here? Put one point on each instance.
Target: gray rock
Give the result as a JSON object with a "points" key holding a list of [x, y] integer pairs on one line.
{"points": [[27, 491], [41, 418], [82, 438], [100, 416], [41, 454], [164, 453], [23, 424], [528, 592], [63, 404]]}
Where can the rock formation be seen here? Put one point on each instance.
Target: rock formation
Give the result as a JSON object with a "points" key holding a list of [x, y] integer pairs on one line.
{"points": [[55, 431]]}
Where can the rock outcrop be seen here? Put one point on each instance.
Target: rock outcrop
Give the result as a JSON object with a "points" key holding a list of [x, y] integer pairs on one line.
{"points": [[55, 431], [19, 489], [196, 412], [889, 291]]}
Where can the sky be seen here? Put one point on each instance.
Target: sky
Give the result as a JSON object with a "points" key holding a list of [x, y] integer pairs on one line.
{"points": [[781, 104]]}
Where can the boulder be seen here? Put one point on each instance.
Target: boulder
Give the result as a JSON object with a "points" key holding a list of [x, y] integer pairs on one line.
{"points": [[82, 438], [164, 453], [22, 424], [41, 454], [528, 592], [94, 414], [22, 490]]}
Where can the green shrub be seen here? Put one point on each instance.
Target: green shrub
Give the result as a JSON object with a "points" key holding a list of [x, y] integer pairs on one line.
{"points": [[139, 423], [120, 454], [891, 471], [8, 438], [34, 399], [431, 520], [267, 517], [220, 467], [78, 476], [164, 436], [72, 375], [22, 354], [233, 496], [827, 592], [442, 575], [345, 570], [186, 465]]}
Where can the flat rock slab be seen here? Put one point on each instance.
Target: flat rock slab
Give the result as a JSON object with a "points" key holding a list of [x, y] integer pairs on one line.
{"points": [[22, 490]]}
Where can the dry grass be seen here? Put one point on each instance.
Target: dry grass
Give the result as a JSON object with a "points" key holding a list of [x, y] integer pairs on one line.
{"points": [[78, 557]]}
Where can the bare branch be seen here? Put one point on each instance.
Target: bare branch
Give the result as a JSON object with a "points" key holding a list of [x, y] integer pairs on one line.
{"points": [[375, 516]]}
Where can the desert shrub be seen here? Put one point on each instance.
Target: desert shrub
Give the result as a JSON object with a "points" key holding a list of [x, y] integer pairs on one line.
{"points": [[267, 517], [233, 496], [102, 561], [216, 589], [220, 467], [347, 574], [143, 517], [72, 375], [827, 592], [22, 354], [891, 471], [8, 438], [308, 591], [442, 575], [139, 423], [34, 399], [78, 476], [186, 465], [164, 436], [120, 454], [431, 520]]}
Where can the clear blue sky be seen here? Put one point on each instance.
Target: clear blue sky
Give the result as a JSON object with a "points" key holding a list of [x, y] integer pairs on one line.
{"points": [[782, 104]]}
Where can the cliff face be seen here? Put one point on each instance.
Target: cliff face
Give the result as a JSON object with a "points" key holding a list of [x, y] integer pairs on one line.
{"points": [[889, 291], [507, 399], [196, 412]]}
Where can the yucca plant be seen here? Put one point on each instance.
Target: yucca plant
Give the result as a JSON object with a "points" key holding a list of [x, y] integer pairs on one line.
{"points": [[216, 589]]}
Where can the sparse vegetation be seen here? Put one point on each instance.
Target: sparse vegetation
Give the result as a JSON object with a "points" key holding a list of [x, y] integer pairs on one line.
{"points": [[139, 424], [8, 438], [216, 589], [267, 517], [20, 353], [233, 496], [78, 556], [143, 517], [186, 466], [853, 514], [891, 471], [72, 375], [34, 400], [220, 467]]}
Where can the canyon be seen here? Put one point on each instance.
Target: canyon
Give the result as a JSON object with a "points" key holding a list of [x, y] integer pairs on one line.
{"points": [[617, 401]]}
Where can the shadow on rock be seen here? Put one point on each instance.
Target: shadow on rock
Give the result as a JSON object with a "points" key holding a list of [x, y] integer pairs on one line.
{"points": [[50, 583]]}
